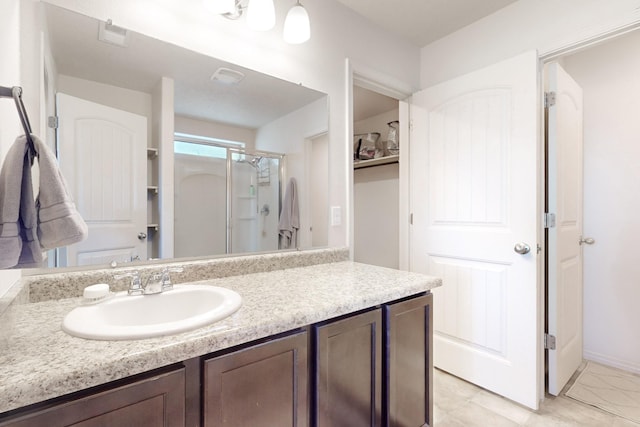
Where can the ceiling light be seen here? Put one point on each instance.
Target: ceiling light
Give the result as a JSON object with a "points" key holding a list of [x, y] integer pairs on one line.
{"points": [[296, 26], [220, 6], [261, 15]]}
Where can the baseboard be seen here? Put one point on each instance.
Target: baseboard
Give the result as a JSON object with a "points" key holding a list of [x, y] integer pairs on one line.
{"points": [[625, 365]]}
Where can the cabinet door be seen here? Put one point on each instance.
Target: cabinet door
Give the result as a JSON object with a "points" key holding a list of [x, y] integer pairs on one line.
{"points": [[348, 371], [264, 385], [156, 401], [408, 379]]}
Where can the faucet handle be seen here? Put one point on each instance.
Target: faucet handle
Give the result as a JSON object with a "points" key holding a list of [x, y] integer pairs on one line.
{"points": [[166, 277], [135, 288]]}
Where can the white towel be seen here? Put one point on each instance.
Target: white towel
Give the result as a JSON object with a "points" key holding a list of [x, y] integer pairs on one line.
{"points": [[19, 245], [289, 217], [59, 223]]}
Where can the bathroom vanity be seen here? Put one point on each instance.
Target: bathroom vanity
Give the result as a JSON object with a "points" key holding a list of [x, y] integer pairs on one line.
{"points": [[338, 343]]}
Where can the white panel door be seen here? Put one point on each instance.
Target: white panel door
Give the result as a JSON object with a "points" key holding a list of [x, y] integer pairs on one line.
{"points": [[474, 174], [564, 198], [102, 154]]}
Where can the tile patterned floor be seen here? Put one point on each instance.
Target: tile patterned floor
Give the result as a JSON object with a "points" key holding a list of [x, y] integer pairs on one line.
{"points": [[458, 403]]}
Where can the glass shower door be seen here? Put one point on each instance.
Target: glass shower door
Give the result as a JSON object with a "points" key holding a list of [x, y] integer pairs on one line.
{"points": [[255, 202]]}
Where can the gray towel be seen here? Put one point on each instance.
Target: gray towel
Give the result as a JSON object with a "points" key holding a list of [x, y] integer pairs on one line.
{"points": [[59, 223], [289, 217], [19, 245]]}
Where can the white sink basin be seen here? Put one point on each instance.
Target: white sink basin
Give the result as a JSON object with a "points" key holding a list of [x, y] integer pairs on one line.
{"points": [[125, 317]]}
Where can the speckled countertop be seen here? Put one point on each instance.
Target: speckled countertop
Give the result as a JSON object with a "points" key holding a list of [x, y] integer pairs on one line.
{"points": [[38, 361]]}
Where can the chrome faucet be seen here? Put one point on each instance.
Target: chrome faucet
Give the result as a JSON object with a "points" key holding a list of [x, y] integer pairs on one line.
{"points": [[166, 277], [155, 284], [135, 288]]}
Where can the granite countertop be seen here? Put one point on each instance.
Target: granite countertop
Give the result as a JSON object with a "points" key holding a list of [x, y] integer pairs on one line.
{"points": [[38, 361]]}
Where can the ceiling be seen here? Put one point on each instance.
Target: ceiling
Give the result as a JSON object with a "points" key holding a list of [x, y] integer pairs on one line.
{"points": [[424, 21]]}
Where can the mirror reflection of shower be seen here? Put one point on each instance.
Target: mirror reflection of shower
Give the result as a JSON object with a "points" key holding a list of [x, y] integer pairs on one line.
{"points": [[227, 200]]}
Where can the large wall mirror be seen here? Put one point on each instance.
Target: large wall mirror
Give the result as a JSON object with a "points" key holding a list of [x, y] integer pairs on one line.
{"points": [[171, 154]]}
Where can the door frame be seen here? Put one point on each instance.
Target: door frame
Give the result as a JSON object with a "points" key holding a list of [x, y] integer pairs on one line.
{"points": [[546, 58], [368, 78]]}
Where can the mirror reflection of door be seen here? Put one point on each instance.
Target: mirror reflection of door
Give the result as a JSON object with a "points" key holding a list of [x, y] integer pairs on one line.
{"points": [[102, 154]]}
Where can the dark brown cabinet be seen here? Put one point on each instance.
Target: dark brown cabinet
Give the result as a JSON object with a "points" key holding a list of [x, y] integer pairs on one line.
{"points": [[408, 342], [348, 371], [155, 401], [262, 385], [374, 368]]}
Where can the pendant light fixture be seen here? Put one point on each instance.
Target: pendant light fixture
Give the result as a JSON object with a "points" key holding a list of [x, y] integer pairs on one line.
{"points": [[261, 15], [296, 26]]}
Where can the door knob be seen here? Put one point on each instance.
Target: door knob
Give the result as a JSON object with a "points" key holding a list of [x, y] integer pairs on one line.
{"points": [[142, 236], [587, 240], [522, 248]]}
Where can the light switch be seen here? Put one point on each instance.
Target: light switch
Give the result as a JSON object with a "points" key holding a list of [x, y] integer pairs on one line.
{"points": [[336, 216]]}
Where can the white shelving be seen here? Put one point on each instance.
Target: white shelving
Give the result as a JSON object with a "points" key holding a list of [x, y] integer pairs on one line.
{"points": [[357, 164]]}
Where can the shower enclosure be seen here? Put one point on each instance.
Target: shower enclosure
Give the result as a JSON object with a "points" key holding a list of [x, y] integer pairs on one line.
{"points": [[227, 200]]}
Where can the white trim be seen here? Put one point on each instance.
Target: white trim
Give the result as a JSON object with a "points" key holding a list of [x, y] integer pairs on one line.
{"points": [[404, 210], [592, 36], [350, 70], [625, 365], [368, 78]]}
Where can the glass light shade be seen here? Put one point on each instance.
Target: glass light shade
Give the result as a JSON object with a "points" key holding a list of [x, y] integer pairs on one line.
{"points": [[219, 6], [296, 26], [261, 15]]}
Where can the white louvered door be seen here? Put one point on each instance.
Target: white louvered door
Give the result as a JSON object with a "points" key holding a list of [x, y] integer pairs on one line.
{"points": [[474, 181]]}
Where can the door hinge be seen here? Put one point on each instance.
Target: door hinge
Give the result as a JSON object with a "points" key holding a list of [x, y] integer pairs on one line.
{"points": [[411, 125], [549, 99], [411, 218], [549, 342], [549, 220], [52, 122]]}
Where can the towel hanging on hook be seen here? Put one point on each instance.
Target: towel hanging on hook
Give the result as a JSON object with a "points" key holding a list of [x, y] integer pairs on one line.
{"points": [[15, 92]]}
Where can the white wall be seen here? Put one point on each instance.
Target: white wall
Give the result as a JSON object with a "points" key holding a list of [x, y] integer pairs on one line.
{"points": [[545, 25], [608, 75], [223, 131], [287, 135], [337, 33], [376, 196]]}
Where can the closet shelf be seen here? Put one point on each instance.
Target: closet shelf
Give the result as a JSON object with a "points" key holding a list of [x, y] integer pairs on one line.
{"points": [[357, 164]]}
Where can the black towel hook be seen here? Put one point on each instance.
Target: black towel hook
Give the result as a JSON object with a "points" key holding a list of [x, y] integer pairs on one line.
{"points": [[15, 92]]}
